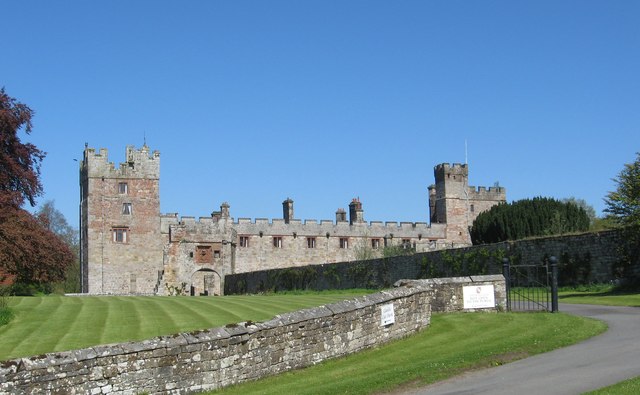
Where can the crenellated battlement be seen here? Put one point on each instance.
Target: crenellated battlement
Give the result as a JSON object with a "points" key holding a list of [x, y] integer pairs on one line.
{"points": [[452, 167], [277, 226], [139, 163], [490, 193], [445, 171], [189, 222]]}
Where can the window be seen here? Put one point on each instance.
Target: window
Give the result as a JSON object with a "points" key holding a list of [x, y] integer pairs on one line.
{"points": [[244, 241], [126, 208], [123, 188], [277, 242], [344, 242], [120, 235], [473, 208], [311, 242], [406, 243], [375, 243]]}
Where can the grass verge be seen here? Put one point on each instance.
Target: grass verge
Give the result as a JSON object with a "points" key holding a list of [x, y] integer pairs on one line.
{"points": [[600, 296], [454, 343], [628, 387], [43, 324]]}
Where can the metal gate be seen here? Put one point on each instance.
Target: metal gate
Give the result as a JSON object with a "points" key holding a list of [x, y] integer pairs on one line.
{"points": [[532, 287]]}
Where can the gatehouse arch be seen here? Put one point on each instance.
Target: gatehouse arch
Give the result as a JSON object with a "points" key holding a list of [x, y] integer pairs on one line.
{"points": [[205, 282]]}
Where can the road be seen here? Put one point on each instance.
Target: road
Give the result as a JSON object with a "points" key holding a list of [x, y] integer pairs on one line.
{"points": [[603, 360]]}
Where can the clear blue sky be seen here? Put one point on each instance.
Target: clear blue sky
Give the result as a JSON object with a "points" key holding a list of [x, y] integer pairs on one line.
{"points": [[252, 102]]}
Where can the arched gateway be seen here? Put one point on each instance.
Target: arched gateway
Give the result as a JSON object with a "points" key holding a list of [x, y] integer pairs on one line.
{"points": [[205, 282]]}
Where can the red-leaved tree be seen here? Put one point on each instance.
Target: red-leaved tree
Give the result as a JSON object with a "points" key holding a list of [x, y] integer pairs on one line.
{"points": [[29, 252]]}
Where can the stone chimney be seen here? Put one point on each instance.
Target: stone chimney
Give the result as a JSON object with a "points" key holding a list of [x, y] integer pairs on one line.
{"points": [[356, 214], [287, 210], [224, 210]]}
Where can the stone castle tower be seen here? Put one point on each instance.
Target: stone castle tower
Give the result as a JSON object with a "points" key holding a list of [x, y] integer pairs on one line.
{"points": [[121, 247], [453, 202]]}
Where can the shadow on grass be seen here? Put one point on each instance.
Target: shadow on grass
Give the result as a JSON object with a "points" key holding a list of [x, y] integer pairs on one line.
{"points": [[578, 294]]}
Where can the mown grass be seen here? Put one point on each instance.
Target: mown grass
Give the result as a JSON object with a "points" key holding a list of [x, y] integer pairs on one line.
{"points": [[599, 295], [43, 324], [454, 343], [627, 387]]}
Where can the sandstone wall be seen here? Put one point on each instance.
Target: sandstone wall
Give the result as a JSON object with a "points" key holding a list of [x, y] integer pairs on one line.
{"points": [[582, 259], [128, 265], [219, 357], [447, 293]]}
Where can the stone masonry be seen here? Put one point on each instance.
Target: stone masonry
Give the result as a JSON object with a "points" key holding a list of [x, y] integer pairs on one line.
{"points": [[215, 358], [128, 247]]}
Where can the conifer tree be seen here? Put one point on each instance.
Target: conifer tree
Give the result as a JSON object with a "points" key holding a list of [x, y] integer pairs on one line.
{"points": [[529, 217]]}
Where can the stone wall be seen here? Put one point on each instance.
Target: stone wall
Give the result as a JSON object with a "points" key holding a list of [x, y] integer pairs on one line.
{"points": [[222, 356], [447, 293], [583, 259], [219, 357], [312, 242], [120, 213]]}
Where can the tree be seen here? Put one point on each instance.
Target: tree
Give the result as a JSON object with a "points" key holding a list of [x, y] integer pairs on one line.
{"points": [[624, 203], [529, 217], [29, 252], [52, 219], [19, 162], [591, 212]]}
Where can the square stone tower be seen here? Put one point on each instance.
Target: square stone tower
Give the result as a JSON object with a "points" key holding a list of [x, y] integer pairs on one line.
{"points": [[121, 245], [454, 203]]}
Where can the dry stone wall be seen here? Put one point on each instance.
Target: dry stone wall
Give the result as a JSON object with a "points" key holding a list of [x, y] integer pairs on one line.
{"points": [[219, 357], [447, 294]]}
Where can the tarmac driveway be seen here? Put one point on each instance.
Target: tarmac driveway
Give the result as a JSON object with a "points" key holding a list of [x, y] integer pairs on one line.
{"points": [[603, 360]]}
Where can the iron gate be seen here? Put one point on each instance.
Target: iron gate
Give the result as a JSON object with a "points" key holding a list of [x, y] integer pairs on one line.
{"points": [[532, 287]]}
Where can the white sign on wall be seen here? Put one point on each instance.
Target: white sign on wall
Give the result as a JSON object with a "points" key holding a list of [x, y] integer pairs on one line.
{"points": [[388, 316], [478, 296]]}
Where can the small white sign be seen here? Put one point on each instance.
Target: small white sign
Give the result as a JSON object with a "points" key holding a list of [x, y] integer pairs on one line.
{"points": [[478, 296], [388, 316]]}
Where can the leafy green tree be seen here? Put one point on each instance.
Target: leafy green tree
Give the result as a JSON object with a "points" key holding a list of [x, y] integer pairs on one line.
{"points": [[526, 218], [52, 219], [624, 203]]}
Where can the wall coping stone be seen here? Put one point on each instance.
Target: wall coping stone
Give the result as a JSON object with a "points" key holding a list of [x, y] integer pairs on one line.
{"points": [[214, 358]]}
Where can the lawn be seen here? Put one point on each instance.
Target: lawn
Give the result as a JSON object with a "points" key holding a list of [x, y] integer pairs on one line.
{"points": [[628, 387], [454, 343], [600, 295], [43, 324]]}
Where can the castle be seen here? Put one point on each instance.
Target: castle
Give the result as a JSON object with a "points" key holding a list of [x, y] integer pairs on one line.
{"points": [[129, 247]]}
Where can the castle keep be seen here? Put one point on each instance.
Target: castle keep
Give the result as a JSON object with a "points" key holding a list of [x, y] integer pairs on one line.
{"points": [[128, 247]]}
